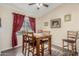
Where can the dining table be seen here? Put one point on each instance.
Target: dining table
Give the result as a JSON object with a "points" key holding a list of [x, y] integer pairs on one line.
{"points": [[38, 38]]}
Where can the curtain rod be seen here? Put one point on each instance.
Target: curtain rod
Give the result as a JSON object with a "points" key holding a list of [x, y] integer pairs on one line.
{"points": [[22, 14]]}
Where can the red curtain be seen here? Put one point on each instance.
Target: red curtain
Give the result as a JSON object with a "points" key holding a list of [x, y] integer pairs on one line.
{"points": [[17, 24], [32, 23]]}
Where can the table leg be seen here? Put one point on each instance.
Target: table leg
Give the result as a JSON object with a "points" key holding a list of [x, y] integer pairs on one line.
{"points": [[38, 47], [49, 43], [62, 46]]}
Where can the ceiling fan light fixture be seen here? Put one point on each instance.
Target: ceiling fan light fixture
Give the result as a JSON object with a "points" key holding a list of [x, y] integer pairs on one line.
{"points": [[39, 4]]}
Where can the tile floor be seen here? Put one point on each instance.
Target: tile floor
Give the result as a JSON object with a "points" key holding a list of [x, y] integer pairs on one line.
{"points": [[56, 51]]}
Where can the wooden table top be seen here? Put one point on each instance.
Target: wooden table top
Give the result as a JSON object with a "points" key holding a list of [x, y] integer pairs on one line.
{"points": [[40, 35]]}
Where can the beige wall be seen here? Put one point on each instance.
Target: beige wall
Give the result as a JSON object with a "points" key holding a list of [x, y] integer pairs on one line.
{"points": [[59, 33], [6, 29], [0, 28]]}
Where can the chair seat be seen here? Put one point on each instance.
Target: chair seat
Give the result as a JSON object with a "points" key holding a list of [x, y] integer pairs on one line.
{"points": [[31, 42], [25, 40], [44, 40], [69, 41]]}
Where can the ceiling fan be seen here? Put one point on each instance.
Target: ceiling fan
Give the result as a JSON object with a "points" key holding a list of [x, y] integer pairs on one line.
{"points": [[39, 5]]}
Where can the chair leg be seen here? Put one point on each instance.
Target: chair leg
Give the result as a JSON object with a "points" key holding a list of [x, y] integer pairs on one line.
{"points": [[22, 48], [25, 49], [68, 49], [62, 47], [76, 53], [33, 50], [28, 49], [68, 46], [75, 48], [72, 49], [42, 47]]}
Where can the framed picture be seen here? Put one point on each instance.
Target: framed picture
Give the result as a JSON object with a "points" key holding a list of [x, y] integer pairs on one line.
{"points": [[67, 17], [55, 23], [0, 22], [45, 23]]}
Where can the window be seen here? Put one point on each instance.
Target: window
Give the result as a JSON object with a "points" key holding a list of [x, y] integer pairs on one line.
{"points": [[25, 27]]}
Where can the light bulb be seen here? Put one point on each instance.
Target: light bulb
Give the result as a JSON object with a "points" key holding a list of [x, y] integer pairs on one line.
{"points": [[39, 4]]}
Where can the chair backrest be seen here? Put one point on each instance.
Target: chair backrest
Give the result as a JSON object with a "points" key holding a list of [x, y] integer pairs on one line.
{"points": [[24, 36], [72, 35], [30, 35]]}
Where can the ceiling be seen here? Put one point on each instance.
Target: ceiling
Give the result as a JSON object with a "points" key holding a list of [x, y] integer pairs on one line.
{"points": [[32, 9]]}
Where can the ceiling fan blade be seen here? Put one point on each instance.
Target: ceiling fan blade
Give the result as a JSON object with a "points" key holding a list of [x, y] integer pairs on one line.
{"points": [[45, 5], [31, 3]]}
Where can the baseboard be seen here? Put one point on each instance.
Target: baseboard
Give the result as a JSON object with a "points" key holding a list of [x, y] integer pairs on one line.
{"points": [[56, 46], [59, 47], [10, 48]]}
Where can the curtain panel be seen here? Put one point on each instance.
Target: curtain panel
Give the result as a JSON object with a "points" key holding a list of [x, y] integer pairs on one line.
{"points": [[17, 24], [32, 23]]}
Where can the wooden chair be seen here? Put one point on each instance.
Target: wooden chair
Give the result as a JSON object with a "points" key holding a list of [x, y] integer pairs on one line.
{"points": [[24, 43], [31, 43], [44, 41], [71, 42]]}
